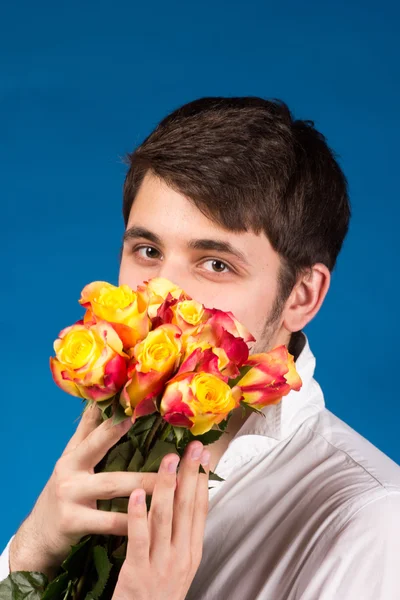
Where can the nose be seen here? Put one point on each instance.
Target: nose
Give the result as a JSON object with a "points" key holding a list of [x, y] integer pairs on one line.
{"points": [[184, 279], [175, 274]]}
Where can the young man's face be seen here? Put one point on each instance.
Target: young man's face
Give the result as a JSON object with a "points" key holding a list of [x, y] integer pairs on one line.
{"points": [[167, 236]]}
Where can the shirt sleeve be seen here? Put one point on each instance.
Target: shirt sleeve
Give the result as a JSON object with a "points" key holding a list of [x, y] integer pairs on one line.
{"points": [[361, 560], [4, 562]]}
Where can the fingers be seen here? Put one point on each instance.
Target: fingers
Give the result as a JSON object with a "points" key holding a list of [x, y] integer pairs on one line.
{"points": [[105, 486], [185, 496], [138, 548], [93, 448], [201, 508], [102, 522], [161, 511], [90, 419]]}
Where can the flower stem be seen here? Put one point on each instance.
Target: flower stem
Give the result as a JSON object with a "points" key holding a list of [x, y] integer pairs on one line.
{"points": [[165, 431], [151, 434], [81, 581]]}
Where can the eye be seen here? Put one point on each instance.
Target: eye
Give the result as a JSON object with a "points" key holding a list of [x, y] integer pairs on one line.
{"points": [[217, 266], [147, 252]]}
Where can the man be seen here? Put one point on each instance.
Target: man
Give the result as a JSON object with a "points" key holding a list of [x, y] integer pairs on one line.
{"points": [[246, 209]]}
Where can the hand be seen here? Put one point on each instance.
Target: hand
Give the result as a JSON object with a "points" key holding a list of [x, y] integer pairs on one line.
{"points": [[66, 509], [165, 549]]}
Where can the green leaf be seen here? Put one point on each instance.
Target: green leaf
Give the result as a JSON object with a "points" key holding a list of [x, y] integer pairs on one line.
{"points": [[107, 413], [179, 433], [159, 450], [253, 409], [119, 414], [76, 556], [119, 554], [23, 585], [143, 424], [136, 463], [223, 425], [57, 588], [207, 438], [104, 505], [214, 476], [119, 505], [103, 568], [68, 590], [105, 404], [243, 371], [119, 457], [211, 475]]}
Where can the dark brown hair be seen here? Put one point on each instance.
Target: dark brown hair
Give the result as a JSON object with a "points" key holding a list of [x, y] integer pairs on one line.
{"points": [[247, 164]]}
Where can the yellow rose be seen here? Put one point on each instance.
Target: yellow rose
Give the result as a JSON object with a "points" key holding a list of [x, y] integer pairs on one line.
{"points": [[198, 401], [188, 315], [89, 362], [160, 351], [121, 306], [157, 357], [190, 311]]}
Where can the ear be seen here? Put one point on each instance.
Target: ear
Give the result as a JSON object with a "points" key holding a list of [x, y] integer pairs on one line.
{"points": [[307, 297]]}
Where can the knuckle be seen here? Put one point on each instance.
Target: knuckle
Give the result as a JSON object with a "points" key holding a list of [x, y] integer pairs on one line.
{"points": [[65, 523], [85, 446], [168, 481], [109, 488], [141, 543], [60, 467], [114, 521], [147, 482], [143, 481], [113, 525], [159, 515], [182, 505], [63, 489]]}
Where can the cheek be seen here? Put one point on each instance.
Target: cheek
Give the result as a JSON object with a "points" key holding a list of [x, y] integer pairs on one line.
{"points": [[251, 315], [252, 307], [129, 274]]}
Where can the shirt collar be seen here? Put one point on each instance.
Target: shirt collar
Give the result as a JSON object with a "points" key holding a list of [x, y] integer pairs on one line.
{"points": [[282, 419]]}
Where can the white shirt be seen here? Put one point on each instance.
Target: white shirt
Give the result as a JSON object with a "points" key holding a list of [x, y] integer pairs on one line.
{"points": [[309, 509]]}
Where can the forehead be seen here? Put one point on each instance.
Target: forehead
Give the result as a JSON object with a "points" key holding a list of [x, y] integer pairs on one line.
{"points": [[176, 221]]}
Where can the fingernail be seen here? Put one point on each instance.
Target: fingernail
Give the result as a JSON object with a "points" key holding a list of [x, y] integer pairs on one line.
{"points": [[140, 497], [196, 452], [173, 465], [205, 457], [125, 425]]}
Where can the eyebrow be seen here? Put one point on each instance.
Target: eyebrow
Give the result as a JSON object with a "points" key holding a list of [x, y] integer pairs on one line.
{"points": [[136, 232]]}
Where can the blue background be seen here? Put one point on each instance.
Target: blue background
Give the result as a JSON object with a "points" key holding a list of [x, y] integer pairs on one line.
{"points": [[83, 83]]}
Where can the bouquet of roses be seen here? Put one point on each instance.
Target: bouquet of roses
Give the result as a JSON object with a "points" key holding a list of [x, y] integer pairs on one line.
{"points": [[177, 370]]}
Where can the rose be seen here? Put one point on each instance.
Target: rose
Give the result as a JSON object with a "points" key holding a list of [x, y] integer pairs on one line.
{"points": [[198, 401], [232, 351], [189, 312], [158, 289], [272, 376], [186, 314], [124, 308], [229, 323], [89, 362], [155, 359]]}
